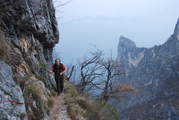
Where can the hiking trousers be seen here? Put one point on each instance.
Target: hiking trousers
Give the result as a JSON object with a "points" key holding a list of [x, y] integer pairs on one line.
{"points": [[60, 84]]}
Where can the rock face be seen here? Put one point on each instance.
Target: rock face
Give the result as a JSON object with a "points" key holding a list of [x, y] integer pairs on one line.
{"points": [[34, 18], [9, 90], [28, 33], [155, 73]]}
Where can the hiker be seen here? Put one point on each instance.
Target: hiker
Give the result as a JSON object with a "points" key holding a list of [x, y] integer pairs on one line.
{"points": [[59, 69]]}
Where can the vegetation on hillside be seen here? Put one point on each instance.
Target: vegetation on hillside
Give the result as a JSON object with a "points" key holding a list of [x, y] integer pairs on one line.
{"points": [[85, 107]]}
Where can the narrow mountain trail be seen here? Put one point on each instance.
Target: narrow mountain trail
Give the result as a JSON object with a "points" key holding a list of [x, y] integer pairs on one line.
{"points": [[59, 112]]}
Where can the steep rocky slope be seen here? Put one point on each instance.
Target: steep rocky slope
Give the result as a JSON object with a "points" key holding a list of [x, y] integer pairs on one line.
{"points": [[28, 33], [155, 73]]}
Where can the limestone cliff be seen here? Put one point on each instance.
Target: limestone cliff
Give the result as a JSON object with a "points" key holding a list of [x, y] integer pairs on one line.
{"points": [[155, 73], [28, 33]]}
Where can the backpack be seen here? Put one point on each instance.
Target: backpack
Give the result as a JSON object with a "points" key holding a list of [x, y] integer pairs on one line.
{"points": [[58, 70]]}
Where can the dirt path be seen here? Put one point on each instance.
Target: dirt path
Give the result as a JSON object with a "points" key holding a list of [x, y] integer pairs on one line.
{"points": [[59, 112]]}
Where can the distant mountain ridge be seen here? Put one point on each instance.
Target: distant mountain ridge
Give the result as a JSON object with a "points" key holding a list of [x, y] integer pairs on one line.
{"points": [[155, 72]]}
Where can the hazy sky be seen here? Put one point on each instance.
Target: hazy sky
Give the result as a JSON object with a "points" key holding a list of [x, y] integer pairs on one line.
{"points": [[102, 22]]}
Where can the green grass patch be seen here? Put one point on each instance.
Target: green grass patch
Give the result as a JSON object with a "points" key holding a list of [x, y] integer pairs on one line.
{"points": [[22, 115], [39, 77], [43, 65], [35, 90], [50, 102]]}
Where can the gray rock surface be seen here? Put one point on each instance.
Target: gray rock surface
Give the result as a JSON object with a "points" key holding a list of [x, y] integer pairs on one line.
{"points": [[9, 90], [31, 26], [155, 73], [30, 17], [29, 31]]}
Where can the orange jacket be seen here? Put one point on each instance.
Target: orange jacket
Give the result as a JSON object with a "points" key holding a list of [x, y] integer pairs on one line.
{"points": [[63, 67]]}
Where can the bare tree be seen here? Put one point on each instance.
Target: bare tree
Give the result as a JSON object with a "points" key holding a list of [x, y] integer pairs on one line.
{"points": [[70, 71], [111, 71], [90, 71], [97, 72], [110, 66], [58, 4]]}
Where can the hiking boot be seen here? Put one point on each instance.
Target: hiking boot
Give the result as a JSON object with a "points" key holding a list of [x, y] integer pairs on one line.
{"points": [[59, 94]]}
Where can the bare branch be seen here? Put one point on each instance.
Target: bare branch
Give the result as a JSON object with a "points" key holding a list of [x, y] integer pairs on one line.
{"points": [[59, 4]]}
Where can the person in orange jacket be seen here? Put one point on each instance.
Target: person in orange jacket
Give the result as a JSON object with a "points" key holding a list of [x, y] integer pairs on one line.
{"points": [[59, 69]]}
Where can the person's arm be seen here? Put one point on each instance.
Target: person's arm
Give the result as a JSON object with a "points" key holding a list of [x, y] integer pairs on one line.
{"points": [[51, 70], [64, 69]]}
